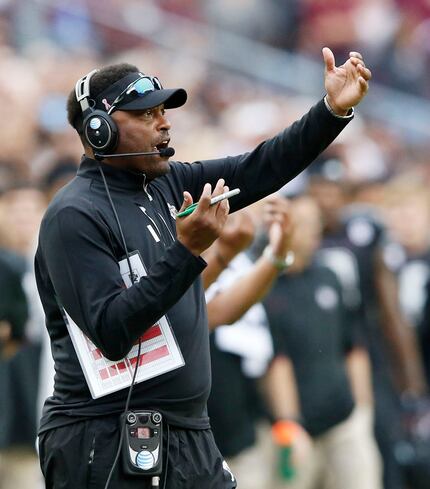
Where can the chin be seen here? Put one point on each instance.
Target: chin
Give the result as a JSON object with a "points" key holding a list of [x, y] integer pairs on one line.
{"points": [[163, 171], [157, 168]]}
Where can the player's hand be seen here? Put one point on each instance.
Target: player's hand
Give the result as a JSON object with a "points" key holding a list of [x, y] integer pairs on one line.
{"points": [[347, 84], [236, 236], [277, 218], [288, 434], [199, 230]]}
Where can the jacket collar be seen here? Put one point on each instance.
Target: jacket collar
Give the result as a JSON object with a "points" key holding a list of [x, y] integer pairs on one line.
{"points": [[115, 177]]}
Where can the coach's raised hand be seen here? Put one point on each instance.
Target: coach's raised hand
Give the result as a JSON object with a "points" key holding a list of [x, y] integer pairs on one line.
{"points": [[347, 84]]}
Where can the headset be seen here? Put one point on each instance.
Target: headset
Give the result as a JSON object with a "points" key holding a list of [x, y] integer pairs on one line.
{"points": [[98, 128]]}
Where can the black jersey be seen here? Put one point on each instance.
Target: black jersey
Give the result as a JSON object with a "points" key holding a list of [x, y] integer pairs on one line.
{"points": [[351, 252], [310, 325]]}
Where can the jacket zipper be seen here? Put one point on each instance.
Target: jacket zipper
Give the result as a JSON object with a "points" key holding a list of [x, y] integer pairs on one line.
{"points": [[146, 214], [167, 227], [145, 189]]}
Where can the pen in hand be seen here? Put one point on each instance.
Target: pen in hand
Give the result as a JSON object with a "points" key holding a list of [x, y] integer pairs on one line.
{"points": [[214, 200]]}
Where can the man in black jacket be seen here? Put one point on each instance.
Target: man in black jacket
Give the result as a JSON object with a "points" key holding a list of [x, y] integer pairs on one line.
{"points": [[119, 110]]}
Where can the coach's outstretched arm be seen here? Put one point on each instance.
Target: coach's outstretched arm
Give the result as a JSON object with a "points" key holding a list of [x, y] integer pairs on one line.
{"points": [[276, 161]]}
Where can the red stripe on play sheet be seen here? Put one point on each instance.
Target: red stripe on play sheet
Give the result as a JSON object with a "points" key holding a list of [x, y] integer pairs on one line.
{"points": [[152, 332], [152, 355], [121, 366]]}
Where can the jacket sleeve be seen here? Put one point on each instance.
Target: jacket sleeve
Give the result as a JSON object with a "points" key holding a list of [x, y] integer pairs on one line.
{"points": [[87, 282], [271, 164]]}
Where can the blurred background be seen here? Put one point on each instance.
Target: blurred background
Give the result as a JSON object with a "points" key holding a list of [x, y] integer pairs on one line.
{"points": [[250, 67]]}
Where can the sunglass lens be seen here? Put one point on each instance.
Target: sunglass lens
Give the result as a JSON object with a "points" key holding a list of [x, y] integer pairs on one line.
{"points": [[143, 86]]}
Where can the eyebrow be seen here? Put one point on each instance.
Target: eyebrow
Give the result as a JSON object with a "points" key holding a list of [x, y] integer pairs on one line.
{"points": [[161, 107]]}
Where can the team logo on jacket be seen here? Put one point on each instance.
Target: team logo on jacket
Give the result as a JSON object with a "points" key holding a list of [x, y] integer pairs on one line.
{"points": [[172, 209]]}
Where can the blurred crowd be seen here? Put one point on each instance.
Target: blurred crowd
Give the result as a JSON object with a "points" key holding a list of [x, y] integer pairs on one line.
{"points": [[361, 213]]}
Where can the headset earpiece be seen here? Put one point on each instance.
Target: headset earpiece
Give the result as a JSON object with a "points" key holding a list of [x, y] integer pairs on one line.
{"points": [[100, 131], [98, 128]]}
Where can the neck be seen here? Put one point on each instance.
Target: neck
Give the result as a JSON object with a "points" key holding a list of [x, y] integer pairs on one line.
{"points": [[89, 152]]}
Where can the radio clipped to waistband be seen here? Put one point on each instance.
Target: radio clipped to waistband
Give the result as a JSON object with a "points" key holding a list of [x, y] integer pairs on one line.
{"points": [[142, 446]]}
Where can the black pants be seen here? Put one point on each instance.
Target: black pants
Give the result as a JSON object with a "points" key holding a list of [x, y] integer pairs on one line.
{"points": [[80, 456]]}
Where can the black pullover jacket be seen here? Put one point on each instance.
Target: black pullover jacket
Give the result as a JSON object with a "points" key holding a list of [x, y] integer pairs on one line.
{"points": [[77, 265]]}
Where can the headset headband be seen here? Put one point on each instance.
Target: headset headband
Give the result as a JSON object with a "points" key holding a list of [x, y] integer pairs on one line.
{"points": [[82, 91]]}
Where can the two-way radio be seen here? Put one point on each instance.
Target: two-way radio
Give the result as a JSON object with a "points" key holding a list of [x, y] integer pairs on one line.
{"points": [[142, 443]]}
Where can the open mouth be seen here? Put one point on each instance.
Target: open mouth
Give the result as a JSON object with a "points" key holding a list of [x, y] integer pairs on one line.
{"points": [[163, 145]]}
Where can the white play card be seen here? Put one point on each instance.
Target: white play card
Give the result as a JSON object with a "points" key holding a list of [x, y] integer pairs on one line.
{"points": [[159, 354]]}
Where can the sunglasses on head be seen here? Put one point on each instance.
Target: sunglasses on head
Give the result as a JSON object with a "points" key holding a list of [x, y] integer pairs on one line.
{"points": [[139, 87]]}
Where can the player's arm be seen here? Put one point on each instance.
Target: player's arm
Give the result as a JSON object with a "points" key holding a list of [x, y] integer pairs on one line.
{"points": [[231, 303], [236, 236], [406, 358]]}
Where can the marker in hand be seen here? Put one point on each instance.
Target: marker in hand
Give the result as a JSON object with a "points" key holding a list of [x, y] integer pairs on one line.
{"points": [[214, 200]]}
